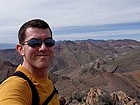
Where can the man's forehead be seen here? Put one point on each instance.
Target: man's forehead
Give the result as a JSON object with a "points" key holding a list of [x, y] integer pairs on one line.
{"points": [[37, 33]]}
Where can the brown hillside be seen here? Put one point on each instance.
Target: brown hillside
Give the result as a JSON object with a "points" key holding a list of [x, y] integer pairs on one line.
{"points": [[6, 69]]}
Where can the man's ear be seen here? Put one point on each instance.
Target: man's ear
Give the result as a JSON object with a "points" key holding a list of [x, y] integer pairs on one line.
{"points": [[20, 49]]}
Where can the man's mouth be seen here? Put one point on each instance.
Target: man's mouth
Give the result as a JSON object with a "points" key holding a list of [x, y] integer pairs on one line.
{"points": [[42, 55]]}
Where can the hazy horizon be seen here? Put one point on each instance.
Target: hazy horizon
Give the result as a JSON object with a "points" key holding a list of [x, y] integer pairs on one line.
{"points": [[13, 45]]}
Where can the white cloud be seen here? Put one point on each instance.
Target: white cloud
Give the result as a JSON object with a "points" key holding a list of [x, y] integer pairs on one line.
{"points": [[63, 13], [78, 12]]}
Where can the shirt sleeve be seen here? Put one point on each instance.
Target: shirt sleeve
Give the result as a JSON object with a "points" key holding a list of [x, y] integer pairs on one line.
{"points": [[15, 91]]}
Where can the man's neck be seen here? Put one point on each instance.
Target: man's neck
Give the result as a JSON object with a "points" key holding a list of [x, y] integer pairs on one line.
{"points": [[37, 72]]}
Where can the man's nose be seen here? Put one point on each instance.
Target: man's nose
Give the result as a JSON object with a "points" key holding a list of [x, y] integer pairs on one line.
{"points": [[43, 47]]}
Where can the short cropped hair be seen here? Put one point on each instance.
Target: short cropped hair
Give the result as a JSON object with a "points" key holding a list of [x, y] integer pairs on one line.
{"points": [[35, 23]]}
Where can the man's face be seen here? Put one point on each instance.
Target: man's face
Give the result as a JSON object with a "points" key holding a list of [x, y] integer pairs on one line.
{"points": [[37, 57]]}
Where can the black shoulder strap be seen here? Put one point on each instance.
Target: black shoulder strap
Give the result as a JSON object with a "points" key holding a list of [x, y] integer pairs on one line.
{"points": [[35, 95], [50, 97]]}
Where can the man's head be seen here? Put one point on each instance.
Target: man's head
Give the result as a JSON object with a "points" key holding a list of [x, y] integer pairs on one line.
{"points": [[35, 23], [36, 44]]}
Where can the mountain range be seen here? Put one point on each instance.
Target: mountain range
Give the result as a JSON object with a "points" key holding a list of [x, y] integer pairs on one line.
{"points": [[110, 65]]}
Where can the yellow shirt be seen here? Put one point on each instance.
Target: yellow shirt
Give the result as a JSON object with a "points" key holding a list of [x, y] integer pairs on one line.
{"points": [[16, 90]]}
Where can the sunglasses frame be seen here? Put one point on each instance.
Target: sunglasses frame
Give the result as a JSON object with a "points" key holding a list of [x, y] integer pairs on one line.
{"points": [[34, 42]]}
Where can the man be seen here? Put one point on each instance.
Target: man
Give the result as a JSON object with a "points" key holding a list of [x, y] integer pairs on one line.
{"points": [[36, 46]]}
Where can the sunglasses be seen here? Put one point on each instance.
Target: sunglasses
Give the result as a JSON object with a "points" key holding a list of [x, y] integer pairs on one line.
{"points": [[49, 42]]}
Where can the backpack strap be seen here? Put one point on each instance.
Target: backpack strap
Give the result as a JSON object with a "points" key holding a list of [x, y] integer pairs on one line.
{"points": [[35, 95], [50, 97]]}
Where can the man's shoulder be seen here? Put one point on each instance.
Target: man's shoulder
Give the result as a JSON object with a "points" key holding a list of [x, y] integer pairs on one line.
{"points": [[15, 86], [14, 81]]}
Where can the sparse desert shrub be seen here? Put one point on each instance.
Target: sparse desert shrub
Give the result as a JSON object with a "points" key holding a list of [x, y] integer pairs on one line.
{"points": [[105, 99], [77, 96]]}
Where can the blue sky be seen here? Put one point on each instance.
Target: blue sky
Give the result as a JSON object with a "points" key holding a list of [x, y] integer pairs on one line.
{"points": [[73, 19]]}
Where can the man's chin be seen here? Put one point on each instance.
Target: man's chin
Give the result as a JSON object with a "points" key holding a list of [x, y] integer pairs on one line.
{"points": [[43, 65]]}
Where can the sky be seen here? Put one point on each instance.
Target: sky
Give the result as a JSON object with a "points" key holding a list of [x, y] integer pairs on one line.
{"points": [[73, 19]]}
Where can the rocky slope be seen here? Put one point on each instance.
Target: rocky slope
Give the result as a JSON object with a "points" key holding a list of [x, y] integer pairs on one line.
{"points": [[6, 69]]}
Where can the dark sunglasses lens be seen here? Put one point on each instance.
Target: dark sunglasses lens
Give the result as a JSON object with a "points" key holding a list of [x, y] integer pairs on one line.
{"points": [[34, 43], [49, 42]]}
